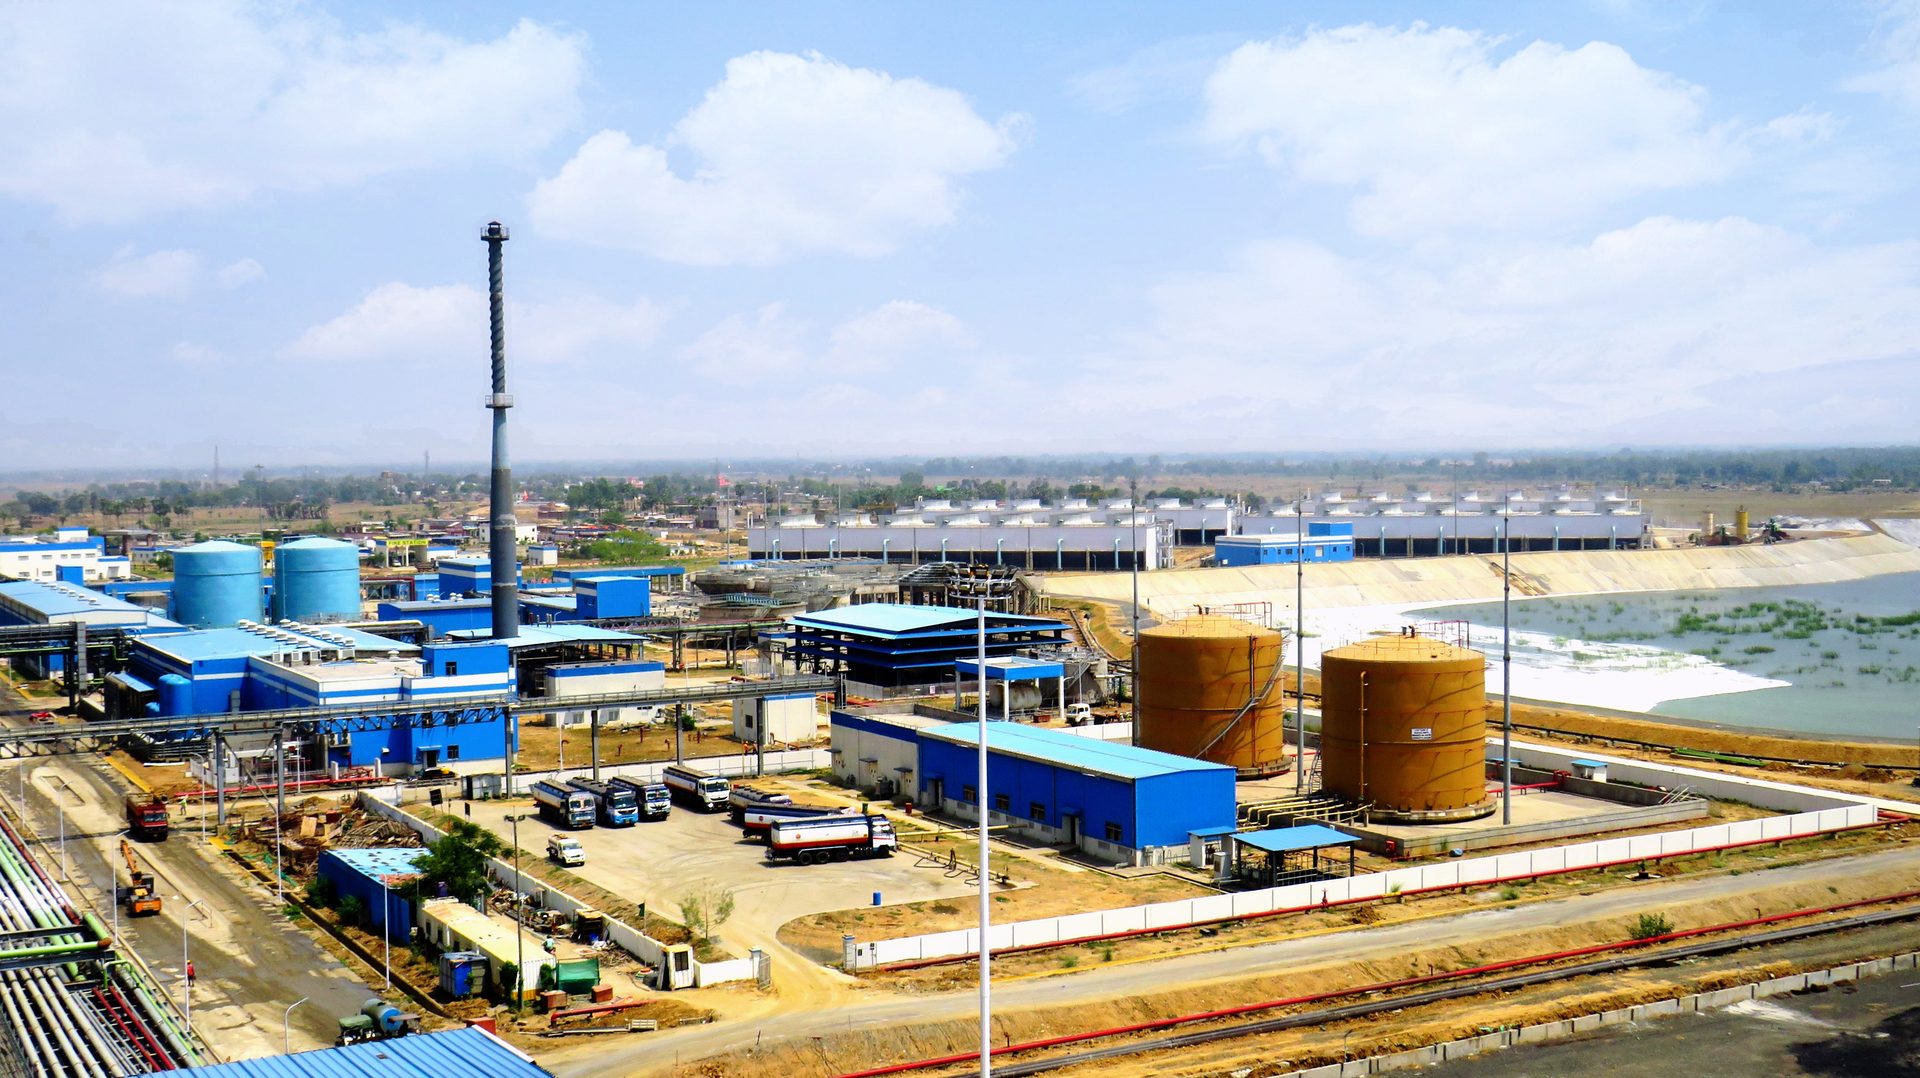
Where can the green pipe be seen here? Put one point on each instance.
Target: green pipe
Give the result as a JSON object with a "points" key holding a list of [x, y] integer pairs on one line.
{"points": [[52, 949]]}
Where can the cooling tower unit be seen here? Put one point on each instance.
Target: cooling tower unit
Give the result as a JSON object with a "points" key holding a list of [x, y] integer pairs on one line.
{"points": [[1210, 689], [316, 580], [1403, 728], [216, 584]]}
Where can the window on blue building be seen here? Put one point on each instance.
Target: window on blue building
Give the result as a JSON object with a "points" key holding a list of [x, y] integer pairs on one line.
{"points": [[453, 752], [453, 669], [1113, 831], [1036, 810], [968, 794], [1003, 802]]}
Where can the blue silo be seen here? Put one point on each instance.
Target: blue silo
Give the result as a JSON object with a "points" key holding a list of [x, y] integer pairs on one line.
{"points": [[316, 580], [216, 584]]}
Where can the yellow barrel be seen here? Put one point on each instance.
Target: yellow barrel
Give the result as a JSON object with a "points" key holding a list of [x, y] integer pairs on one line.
{"points": [[1197, 676], [1403, 728]]}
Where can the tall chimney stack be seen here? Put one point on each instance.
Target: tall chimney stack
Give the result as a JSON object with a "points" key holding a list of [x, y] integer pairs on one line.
{"points": [[500, 537]]}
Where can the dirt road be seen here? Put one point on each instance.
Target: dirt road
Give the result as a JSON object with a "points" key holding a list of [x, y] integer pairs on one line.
{"points": [[660, 1052]]}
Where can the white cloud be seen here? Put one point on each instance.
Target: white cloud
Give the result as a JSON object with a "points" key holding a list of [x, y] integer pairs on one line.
{"points": [[240, 272], [903, 329], [439, 324], [769, 344], [1441, 129], [113, 111], [787, 156], [748, 348], [1549, 344], [156, 275], [1896, 47]]}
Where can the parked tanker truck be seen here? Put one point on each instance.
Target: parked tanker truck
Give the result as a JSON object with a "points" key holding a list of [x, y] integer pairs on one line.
{"points": [[696, 787], [831, 838], [654, 800], [563, 806]]}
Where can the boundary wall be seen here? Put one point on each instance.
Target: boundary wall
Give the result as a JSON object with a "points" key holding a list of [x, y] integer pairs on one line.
{"points": [[1301, 897], [1587, 1023]]}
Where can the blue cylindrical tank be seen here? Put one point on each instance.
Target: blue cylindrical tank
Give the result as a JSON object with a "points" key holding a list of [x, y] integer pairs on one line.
{"points": [[216, 584], [176, 695], [316, 580]]}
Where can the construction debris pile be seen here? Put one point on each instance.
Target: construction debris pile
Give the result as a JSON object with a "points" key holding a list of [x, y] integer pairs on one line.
{"points": [[319, 824]]}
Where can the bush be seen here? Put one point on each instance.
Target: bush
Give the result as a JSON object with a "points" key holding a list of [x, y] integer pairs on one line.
{"points": [[1651, 926], [320, 892], [353, 911]]}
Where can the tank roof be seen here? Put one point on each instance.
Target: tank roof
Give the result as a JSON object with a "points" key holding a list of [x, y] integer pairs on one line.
{"points": [[215, 546], [316, 542], [1210, 626], [1402, 649]]}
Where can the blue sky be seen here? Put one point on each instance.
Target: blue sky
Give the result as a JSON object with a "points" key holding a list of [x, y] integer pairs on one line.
{"points": [[863, 228]]}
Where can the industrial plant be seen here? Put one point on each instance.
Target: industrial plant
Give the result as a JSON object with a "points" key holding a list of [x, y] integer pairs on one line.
{"points": [[1160, 728]]}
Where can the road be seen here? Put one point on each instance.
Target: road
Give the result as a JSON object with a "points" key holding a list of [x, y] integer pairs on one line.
{"points": [[659, 1051], [249, 961]]}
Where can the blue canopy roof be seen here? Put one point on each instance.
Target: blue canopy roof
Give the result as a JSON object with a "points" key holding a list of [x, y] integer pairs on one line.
{"points": [[1310, 836]]}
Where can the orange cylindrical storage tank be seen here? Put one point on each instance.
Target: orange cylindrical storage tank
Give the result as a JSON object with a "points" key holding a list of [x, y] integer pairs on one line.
{"points": [[1403, 728], [1197, 677]]}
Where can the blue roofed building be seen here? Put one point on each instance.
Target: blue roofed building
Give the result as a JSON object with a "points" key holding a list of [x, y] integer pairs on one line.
{"points": [[383, 879], [894, 644], [469, 1053], [1114, 800], [54, 602]]}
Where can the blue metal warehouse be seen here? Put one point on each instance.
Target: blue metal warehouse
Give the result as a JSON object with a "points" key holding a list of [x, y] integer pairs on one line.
{"points": [[1110, 799], [890, 644], [382, 879]]}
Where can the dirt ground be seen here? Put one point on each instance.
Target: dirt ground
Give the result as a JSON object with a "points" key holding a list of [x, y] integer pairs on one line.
{"points": [[540, 744], [1063, 961], [836, 1054]]}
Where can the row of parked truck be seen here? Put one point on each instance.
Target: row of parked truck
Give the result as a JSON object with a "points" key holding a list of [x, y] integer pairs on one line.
{"points": [[802, 833]]}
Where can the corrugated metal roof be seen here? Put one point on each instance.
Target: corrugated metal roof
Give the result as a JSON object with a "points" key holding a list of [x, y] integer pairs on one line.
{"points": [[54, 598], [468, 1053], [204, 644], [906, 618], [1071, 750], [379, 862], [1288, 839]]}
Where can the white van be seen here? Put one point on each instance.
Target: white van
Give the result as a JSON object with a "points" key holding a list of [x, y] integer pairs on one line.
{"points": [[566, 850]]}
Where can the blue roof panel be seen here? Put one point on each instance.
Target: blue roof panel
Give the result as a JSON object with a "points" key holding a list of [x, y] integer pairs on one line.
{"points": [[1288, 839], [199, 645], [53, 599], [469, 1053], [1115, 759], [906, 618]]}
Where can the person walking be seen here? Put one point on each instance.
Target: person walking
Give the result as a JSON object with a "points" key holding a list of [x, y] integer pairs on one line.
{"points": [[189, 974]]}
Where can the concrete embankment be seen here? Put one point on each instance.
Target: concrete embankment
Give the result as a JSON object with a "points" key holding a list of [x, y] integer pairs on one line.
{"points": [[1472, 578]]}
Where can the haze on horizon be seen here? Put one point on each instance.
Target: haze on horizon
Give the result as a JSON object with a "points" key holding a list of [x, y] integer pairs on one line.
{"points": [[850, 231]]}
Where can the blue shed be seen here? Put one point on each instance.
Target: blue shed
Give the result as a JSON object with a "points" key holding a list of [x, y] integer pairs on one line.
{"points": [[382, 879], [1109, 798], [613, 596]]}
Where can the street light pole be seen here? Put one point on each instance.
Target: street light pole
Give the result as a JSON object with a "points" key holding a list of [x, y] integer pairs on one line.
{"points": [[1300, 643], [1506, 658], [519, 937], [286, 1023], [186, 982], [386, 933], [980, 804], [1133, 695]]}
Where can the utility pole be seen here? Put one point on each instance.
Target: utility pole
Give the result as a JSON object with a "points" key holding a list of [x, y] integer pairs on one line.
{"points": [[1300, 643], [981, 801], [1133, 694], [1506, 658]]}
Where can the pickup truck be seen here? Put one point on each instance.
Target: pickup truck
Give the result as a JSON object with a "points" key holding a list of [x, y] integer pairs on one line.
{"points": [[566, 850]]}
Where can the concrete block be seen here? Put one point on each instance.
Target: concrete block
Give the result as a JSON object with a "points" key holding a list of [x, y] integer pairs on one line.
{"points": [[1537, 1034], [1583, 1023], [1666, 1008]]}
